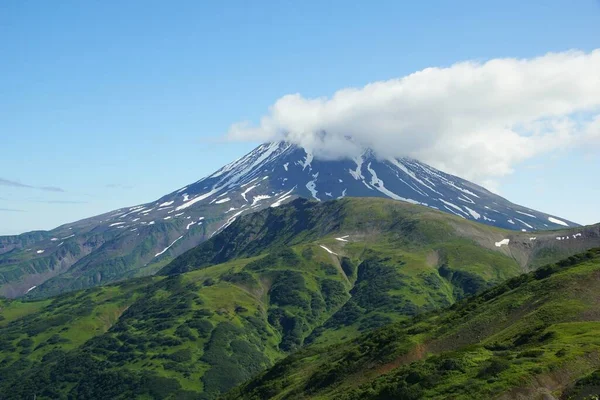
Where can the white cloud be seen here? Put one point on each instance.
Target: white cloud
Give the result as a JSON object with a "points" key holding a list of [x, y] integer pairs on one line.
{"points": [[476, 120], [592, 135]]}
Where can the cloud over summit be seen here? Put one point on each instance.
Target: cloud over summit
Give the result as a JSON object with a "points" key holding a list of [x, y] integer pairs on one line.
{"points": [[474, 119]]}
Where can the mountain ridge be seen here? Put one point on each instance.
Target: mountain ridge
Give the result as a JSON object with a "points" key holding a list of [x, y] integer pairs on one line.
{"points": [[139, 240]]}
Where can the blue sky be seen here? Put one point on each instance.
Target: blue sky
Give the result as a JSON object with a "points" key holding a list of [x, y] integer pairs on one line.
{"points": [[118, 103]]}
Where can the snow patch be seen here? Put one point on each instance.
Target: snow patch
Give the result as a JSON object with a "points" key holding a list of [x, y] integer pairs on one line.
{"points": [[137, 210], [30, 289], [454, 212], [524, 213], [411, 174], [450, 183], [449, 204], [116, 223], [247, 190], [285, 166], [311, 186], [357, 173], [473, 213], [379, 185], [249, 182], [166, 203], [524, 223], [168, 247], [307, 161], [260, 197], [557, 221], [283, 197], [197, 199], [40, 251], [502, 242], [465, 199], [326, 249], [230, 221], [225, 200]]}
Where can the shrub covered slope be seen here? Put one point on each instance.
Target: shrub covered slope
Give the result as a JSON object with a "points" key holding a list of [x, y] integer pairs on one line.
{"points": [[293, 280], [535, 336]]}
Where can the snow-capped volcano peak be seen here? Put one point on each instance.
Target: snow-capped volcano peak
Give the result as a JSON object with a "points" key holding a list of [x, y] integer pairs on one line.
{"points": [[276, 172]]}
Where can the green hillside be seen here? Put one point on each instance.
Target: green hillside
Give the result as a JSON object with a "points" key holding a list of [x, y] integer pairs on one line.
{"points": [[204, 331], [274, 282], [534, 336], [400, 259]]}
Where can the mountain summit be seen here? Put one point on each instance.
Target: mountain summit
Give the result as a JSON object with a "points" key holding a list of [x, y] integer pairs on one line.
{"points": [[276, 172], [140, 240]]}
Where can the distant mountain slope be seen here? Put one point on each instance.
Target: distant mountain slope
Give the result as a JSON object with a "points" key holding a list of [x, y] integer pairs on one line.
{"points": [[368, 220], [139, 240], [536, 336]]}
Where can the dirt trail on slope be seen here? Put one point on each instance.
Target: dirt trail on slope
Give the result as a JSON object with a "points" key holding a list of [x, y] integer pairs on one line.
{"points": [[550, 385], [416, 354], [419, 352]]}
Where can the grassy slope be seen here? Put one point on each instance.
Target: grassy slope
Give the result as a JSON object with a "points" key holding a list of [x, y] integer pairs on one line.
{"points": [[204, 331], [430, 259], [535, 334], [273, 288]]}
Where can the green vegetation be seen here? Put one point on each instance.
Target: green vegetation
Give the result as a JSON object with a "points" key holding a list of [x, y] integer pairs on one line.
{"points": [[202, 332], [277, 292], [512, 340]]}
